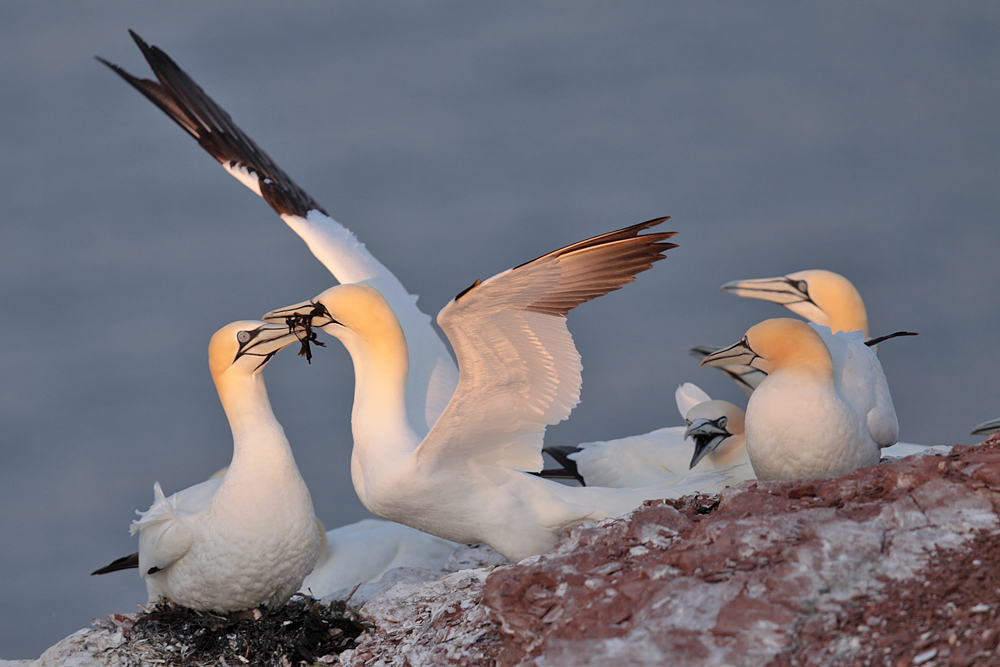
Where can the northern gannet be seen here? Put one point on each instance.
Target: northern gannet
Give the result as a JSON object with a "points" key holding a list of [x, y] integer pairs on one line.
{"points": [[433, 374], [467, 481], [824, 297], [807, 420], [711, 438], [250, 537]]}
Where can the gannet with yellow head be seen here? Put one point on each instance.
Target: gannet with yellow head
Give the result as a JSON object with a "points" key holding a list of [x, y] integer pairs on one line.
{"points": [[468, 480], [250, 537], [803, 421], [824, 297]]}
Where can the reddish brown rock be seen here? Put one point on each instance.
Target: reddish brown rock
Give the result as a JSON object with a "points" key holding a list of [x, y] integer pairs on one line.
{"points": [[884, 565]]}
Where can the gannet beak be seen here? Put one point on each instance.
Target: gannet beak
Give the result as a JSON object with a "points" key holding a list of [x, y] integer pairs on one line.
{"points": [[707, 434], [992, 426], [266, 341], [783, 290], [740, 353], [300, 314]]}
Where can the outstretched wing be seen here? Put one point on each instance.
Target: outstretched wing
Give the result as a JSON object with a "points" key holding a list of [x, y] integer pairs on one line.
{"points": [[519, 369], [433, 374]]}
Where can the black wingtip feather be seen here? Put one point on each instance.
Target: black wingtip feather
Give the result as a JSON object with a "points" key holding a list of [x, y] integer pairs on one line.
{"points": [[177, 95], [124, 563]]}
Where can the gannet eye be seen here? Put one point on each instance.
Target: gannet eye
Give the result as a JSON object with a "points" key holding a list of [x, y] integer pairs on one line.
{"points": [[802, 286], [243, 336], [722, 422]]}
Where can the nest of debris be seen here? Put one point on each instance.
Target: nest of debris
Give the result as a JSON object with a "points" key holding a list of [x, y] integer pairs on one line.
{"points": [[302, 631]]}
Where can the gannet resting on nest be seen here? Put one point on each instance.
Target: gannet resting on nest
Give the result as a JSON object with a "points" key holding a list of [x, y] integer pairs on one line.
{"points": [[807, 420], [433, 375], [360, 553], [249, 538], [715, 429], [986, 428], [467, 480]]}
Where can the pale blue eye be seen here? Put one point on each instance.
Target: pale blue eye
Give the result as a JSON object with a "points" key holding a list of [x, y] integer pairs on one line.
{"points": [[243, 336]]}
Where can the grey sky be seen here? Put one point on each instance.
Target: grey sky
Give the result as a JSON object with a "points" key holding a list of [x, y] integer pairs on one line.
{"points": [[457, 140]]}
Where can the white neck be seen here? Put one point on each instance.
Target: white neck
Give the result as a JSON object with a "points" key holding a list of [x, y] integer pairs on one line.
{"points": [[260, 447], [383, 437]]}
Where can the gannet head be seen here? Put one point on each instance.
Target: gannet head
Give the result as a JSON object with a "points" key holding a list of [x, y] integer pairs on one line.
{"points": [[353, 307], [710, 424], [824, 297], [777, 344], [246, 346]]}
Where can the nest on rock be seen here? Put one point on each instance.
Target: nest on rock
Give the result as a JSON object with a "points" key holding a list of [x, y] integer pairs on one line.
{"points": [[302, 631]]}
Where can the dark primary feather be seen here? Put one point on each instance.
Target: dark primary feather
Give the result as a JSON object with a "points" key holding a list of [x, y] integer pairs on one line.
{"points": [[178, 96], [124, 563]]}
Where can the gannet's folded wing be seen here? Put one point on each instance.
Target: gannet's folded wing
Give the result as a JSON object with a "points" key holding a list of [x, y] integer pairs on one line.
{"points": [[519, 370], [635, 461], [433, 374], [164, 534]]}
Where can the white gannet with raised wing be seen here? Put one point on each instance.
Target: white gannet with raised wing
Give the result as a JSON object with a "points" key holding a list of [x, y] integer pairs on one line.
{"points": [[250, 537], [468, 480], [806, 420], [433, 374], [711, 438]]}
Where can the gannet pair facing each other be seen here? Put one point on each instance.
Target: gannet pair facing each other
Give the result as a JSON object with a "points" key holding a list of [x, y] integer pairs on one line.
{"points": [[715, 428], [467, 480], [250, 537], [433, 376]]}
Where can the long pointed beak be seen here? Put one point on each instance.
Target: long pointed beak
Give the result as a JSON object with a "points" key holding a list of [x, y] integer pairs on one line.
{"points": [[307, 312], [707, 435], [992, 426], [739, 353], [779, 290]]}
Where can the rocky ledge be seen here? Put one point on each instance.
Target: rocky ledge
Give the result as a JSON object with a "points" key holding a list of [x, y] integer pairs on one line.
{"points": [[897, 564]]}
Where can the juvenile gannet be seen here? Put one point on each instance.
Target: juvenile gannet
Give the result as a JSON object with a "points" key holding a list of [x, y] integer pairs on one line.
{"points": [[250, 537], [467, 481], [711, 438], [433, 374], [824, 297], [805, 420]]}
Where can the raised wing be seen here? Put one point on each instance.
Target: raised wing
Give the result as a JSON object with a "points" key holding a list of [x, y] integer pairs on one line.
{"points": [[519, 368], [433, 374], [747, 377], [689, 395]]}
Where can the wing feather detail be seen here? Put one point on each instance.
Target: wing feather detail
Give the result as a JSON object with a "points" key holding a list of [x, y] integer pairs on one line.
{"points": [[519, 370], [183, 100]]}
